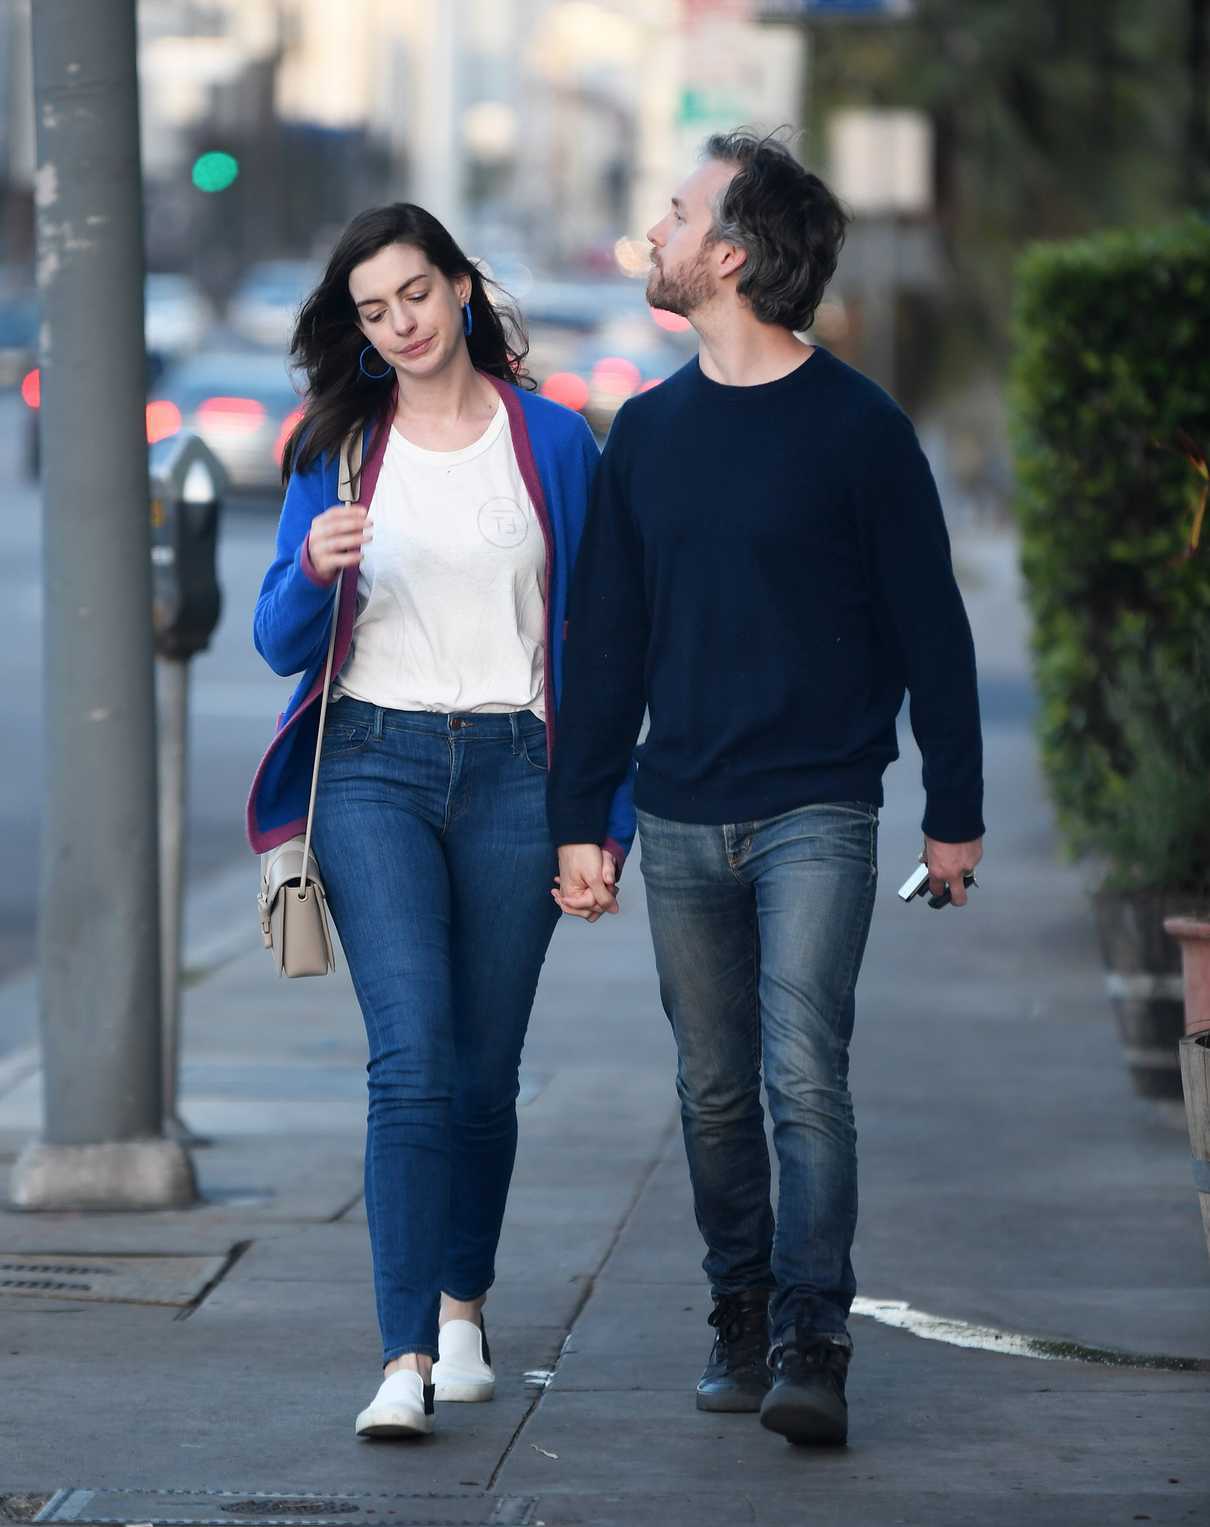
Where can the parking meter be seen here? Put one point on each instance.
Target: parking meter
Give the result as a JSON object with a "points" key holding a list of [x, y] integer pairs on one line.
{"points": [[187, 485]]}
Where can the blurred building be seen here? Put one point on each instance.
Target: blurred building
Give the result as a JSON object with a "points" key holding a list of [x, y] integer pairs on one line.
{"points": [[541, 129], [620, 95], [16, 140]]}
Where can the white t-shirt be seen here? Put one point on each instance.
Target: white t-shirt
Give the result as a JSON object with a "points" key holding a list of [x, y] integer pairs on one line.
{"points": [[451, 596]]}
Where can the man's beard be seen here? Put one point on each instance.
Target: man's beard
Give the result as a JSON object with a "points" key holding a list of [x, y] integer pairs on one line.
{"points": [[682, 293]]}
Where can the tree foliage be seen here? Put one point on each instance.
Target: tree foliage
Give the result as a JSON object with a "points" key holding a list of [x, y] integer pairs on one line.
{"points": [[1110, 383], [1051, 118]]}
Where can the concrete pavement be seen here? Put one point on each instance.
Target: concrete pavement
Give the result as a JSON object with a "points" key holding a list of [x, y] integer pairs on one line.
{"points": [[1010, 1183]]}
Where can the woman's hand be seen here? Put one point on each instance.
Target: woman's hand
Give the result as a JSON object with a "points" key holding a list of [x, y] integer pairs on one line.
{"points": [[586, 885], [338, 537]]}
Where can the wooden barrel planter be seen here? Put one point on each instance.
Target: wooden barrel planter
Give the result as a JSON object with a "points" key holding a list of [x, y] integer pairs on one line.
{"points": [[1192, 934], [1195, 1073], [1144, 985]]}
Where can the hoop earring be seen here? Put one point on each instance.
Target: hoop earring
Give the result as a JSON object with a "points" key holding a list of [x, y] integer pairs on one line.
{"points": [[468, 319], [374, 376]]}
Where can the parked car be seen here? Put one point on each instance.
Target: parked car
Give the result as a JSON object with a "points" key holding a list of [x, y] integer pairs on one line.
{"points": [[622, 356], [177, 319], [267, 300], [18, 336], [242, 403], [583, 305]]}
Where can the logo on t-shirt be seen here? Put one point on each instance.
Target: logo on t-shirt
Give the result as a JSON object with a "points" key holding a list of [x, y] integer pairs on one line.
{"points": [[502, 522]]}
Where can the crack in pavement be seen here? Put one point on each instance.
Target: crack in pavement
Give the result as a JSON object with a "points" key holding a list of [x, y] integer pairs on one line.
{"points": [[649, 1171]]}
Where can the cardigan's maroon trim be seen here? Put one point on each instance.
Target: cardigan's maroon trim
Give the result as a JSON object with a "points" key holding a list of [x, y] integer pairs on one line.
{"points": [[309, 571], [524, 452], [347, 609], [612, 846], [346, 614]]}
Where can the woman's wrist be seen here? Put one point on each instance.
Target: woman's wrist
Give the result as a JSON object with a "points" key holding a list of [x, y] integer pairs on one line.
{"points": [[310, 571]]}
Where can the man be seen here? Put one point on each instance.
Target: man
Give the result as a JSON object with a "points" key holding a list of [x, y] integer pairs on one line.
{"points": [[765, 569]]}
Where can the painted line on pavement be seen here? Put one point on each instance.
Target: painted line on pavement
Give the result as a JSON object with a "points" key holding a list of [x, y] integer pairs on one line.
{"points": [[964, 1333]]}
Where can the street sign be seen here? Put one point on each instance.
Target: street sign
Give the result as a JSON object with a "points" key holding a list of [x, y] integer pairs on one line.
{"points": [[733, 72], [882, 161]]}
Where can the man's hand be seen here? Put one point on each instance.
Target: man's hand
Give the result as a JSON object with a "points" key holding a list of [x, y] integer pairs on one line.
{"points": [[947, 863], [586, 883]]}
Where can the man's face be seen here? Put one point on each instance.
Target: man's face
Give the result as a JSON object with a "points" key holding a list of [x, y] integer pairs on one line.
{"points": [[683, 275]]}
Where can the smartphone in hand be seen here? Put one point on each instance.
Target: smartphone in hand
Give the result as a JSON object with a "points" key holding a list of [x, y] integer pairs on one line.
{"points": [[917, 884]]}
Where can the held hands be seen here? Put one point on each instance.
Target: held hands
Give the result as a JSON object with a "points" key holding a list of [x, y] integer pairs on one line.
{"points": [[947, 863], [338, 537], [586, 885]]}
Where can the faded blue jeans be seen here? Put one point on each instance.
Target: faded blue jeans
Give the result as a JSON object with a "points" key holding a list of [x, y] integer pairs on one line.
{"points": [[430, 831], [759, 931]]}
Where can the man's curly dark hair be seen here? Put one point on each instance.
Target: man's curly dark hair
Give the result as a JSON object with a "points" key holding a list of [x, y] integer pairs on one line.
{"points": [[785, 219]]}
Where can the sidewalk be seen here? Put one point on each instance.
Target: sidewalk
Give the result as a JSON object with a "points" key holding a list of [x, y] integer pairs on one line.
{"points": [[1009, 1180]]}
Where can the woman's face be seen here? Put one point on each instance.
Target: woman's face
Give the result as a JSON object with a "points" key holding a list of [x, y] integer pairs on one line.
{"points": [[408, 310]]}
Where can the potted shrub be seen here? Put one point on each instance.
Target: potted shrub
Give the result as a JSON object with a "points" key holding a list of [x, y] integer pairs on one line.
{"points": [[1154, 837], [1111, 364], [1191, 929], [1195, 1069]]}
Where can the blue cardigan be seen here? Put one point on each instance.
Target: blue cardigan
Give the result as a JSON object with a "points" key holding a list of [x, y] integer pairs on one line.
{"points": [[558, 460]]}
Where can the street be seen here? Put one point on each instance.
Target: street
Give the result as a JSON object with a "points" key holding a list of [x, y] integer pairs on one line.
{"points": [[235, 698]]}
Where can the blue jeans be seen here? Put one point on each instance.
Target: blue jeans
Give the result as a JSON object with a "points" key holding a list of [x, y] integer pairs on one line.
{"points": [[759, 930], [430, 831]]}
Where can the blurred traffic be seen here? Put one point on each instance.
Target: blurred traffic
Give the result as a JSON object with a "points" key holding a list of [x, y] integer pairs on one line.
{"points": [[594, 342]]}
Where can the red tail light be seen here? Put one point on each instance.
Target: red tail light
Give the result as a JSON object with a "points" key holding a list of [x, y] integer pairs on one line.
{"points": [[673, 322], [616, 376], [288, 426], [163, 419], [233, 416], [567, 388]]}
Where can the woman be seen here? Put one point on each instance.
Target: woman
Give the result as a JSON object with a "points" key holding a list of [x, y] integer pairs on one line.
{"points": [[430, 826]]}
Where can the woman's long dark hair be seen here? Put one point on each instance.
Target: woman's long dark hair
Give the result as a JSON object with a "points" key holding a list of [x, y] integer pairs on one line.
{"points": [[327, 342]]}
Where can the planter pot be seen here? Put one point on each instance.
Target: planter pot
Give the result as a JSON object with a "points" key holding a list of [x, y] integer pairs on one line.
{"points": [[1143, 982], [1195, 1073], [1193, 936]]}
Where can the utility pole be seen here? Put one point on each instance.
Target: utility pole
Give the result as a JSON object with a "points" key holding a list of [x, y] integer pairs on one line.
{"points": [[438, 161], [99, 968]]}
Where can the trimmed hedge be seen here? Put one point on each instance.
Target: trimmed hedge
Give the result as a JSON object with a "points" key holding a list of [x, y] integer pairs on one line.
{"points": [[1112, 364]]}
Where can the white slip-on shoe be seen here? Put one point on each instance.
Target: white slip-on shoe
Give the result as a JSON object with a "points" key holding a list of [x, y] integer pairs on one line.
{"points": [[403, 1407], [463, 1371]]}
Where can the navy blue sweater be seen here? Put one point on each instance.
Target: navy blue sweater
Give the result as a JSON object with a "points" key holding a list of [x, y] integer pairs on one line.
{"points": [[765, 570]]}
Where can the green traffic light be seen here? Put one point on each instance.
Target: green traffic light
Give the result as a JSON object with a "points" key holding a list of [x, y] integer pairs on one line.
{"points": [[215, 172]]}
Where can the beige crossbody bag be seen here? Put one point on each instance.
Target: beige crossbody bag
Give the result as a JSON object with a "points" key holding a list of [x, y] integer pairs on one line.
{"points": [[292, 905]]}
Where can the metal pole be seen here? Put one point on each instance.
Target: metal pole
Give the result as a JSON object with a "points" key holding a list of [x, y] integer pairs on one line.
{"points": [[438, 159], [99, 968], [173, 692]]}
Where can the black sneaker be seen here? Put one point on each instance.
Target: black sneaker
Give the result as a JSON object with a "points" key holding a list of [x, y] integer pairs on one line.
{"points": [[737, 1375], [806, 1403]]}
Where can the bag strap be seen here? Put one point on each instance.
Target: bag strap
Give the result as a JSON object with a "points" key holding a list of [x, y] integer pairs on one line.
{"points": [[349, 468]]}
